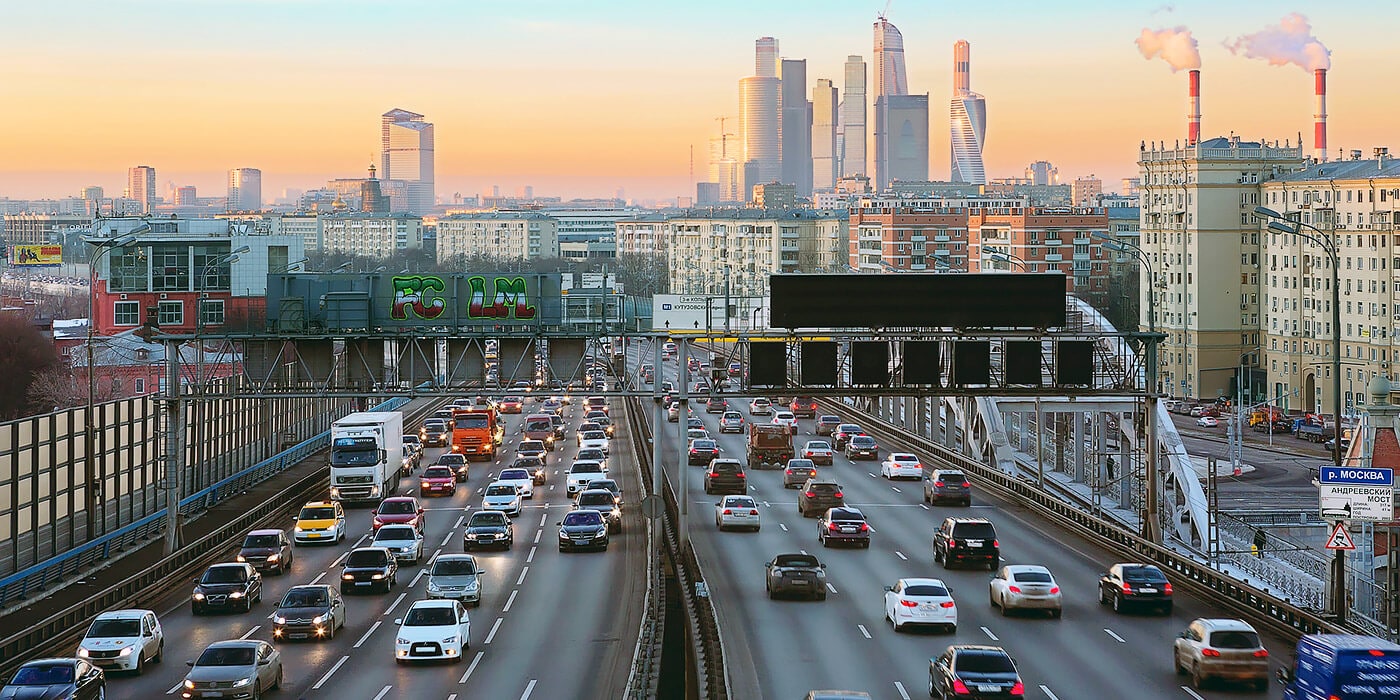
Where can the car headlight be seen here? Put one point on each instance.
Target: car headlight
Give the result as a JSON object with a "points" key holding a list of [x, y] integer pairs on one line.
{"points": [[377, 576], [127, 651], [347, 577], [273, 557], [189, 684], [82, 652], [319, 619], [240, 559], [278, 619], [236, 594], [242, 682], [471, 585], [433, 588], [198, 595], [563, 535], [450, 640], [401, 640], [335, 492]]}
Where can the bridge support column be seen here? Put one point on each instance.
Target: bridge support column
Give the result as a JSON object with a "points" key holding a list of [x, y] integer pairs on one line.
{"points": [[1057, 422], [950, 420], [1081, 471]]}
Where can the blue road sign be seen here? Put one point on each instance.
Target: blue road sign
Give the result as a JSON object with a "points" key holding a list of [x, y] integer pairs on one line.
{"points": [[1359, 476]]}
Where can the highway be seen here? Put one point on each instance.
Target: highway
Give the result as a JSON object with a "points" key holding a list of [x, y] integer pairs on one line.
{"points": [[550, 625], [781, 649]]}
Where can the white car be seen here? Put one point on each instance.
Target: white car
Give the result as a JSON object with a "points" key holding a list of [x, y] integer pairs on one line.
{"points": [[786, 418], [902, 465], [123, 640], [433, 629], [594, 438], [760, 407], [920, 601], [1207, 422], [693, 434], [521, 479], [736, 511], [1026, 587], [581, 473], [503, 496], [403, 540]]}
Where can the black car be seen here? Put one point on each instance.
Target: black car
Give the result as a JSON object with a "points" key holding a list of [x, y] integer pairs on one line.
{"points": [[1141, 585], [267, 549], [608, 426], [862, 447], [47, 679], [534, 465], [967, 541], [226, 587], [795, 574], [532, 448], [974, 671], [309, 612], [435, 433], [608, 484], [367, 569], [817, 496], [947, 485], [583, 529], [844, 525], [716, 405], [702, 451], [556, 421], [488, 528], [605, 503], [843, 433], [726, 476], [826, 425], [456, 462]]}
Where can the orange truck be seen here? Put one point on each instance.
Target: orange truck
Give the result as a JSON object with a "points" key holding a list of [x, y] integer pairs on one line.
{"points": [[476, 432]]}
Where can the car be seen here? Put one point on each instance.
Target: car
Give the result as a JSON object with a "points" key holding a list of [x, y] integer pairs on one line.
{"points": [[594, 438], [1135, 585], [433, 629], [412, 454], [943, 485], [731, 422], [319, 522], [862, 447], [1221, 649], [826, 424], [902, 465], [532, 448], [760, 407], [974, 671], [596, 403], [502, 496], [522, 479], [702, 451], [819, 495], [609, 427], [843, 433], [435, 433], [1025, 587], [804, 407], [57, 678], [924, 602], [967, 541], [798, 472], [234, 668], [737, 512], [405, 541], [437, 480], [559, 424], [583, 529], [368, 568], [843, 525], [836, 695], [673, 412], [726, 476], [580, 473], [593, 454], [400, 510], [693, 423], [603, 501], [455, 577], [598, 416], [693, 434], [716, 405], [488, 528], [1207, 422], [455, 461], [268, 549], [785, 418], [795, 574], [313, 611], [819, 451], [226, 587], [413, 442], [534, 465], [512, 404], [585, 427], [608, 484], [123, 640]]}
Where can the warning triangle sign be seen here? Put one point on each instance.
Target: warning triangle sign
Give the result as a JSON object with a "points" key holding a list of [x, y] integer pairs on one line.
{"points": [[1340, 539]]}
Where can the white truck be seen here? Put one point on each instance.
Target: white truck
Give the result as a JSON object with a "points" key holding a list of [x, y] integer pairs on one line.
{"points": [[366, 456]]}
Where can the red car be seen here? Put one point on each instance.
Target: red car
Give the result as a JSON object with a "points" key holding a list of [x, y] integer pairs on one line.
{"points": [[512, 404], [438, 480], [400, 510]]}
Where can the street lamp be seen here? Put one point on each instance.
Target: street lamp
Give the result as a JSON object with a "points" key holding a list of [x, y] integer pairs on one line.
{"points": [[342, 267], [1008, 258], [288, 267], [1280, 224]]}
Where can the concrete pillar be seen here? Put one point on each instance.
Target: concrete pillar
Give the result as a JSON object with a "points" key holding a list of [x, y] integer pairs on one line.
{"points": [[1023, 420], [950, 421], [1056, 424], [921, 416], [1081, 467], [1102, 449]]}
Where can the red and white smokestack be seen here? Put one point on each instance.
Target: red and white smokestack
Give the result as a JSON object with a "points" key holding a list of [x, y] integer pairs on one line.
{"points": [[1320, 117], [1193, 120]]}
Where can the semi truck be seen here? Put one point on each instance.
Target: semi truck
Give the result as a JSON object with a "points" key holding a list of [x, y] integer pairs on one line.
{"points": [[366, 456], [769, 444], [475, 432]]}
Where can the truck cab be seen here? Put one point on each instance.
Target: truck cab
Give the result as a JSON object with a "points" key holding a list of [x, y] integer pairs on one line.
{"points": [[476, 432], [366, 456], [1342, 666]]}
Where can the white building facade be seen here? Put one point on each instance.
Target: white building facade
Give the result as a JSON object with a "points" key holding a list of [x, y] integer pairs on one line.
{"points": [[374, 235], [523, 235]]}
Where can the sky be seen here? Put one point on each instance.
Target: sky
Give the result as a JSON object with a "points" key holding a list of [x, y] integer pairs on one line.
{"points": [[582, 99]]}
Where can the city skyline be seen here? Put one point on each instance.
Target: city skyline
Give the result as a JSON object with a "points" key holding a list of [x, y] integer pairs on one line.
{"points": [[585, 128]]}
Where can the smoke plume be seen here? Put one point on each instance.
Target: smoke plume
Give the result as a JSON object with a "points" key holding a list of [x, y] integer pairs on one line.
{"points": [[1176, 46], [1290, 41]]}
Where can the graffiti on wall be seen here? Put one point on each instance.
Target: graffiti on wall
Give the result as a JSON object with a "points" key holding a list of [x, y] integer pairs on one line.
{"points": [[509, 299], [416, 293], [423, 296]]}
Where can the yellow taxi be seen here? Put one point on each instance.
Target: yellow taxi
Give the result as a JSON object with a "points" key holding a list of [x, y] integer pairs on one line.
{"points": [[319, 521]]}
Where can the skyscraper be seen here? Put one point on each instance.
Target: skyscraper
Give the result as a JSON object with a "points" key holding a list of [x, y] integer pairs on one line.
{"points": [[796, 129], [903, 153], [407, 143], [825, 159], [890, 77], [760, 119], [765, 57], [967, 121], [853, 110], [244, 189], [141, 186]]}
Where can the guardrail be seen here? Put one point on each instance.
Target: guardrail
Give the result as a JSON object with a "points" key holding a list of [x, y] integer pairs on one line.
{"points": [[645, 674]]}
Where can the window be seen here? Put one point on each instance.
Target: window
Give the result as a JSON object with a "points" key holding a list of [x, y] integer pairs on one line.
{"points": [[126, 313], [211, 312], [140, 387], [128, 270], [172, 313]]}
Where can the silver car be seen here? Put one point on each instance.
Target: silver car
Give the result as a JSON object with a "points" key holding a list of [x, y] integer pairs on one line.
{"points": [[1226, 649], [403, 540], [237, 668], [455, 576], [1025, 587]]}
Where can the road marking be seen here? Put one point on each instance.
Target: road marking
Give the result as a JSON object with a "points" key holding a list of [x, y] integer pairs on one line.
{"points": [[340, 558], [551, 487], [446, 539], [327, 677], [366, 635], [766, 504], [896, 489], [537, 535], [250, 632], [510, 600], [394, 604], [523, 571], [871, 475], [476, 660], [479, 491], [1192, 693], [318, 578], [904, 694], [383, 692], [417, 576], [1113, 634], [531, 556], [460, 520], [863, 631], [528, 689], [989, 634], [901, 555], [492, 634], [1049, 694], [360, 541], [784, 527], [831, 588], [436, 554], [176, 687], [542, 518], [924, 506]]}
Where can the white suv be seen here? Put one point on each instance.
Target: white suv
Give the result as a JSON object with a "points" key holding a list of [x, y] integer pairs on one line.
{"points": [[123, 640], [432, 629]]}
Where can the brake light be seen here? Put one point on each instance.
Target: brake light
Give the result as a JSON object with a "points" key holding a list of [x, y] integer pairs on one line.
{"points": [[788, 471], [947, 604], [1014, 589], [753, 511], [1127, 588], [864, 527], [1054, 590], [810, 494], [939, 484], [967, 484], [1210, 652], [740, 475], [1167, 588], [996, 543], [807, 453], [960, 688], [1376, 652], [728, 512], [1261, 654], [714, 475], [837, 494], [1018, 689], [909, 603], [832, 527]]}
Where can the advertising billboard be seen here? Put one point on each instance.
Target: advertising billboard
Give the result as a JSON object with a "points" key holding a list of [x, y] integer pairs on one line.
{"points": [[36, 255]]}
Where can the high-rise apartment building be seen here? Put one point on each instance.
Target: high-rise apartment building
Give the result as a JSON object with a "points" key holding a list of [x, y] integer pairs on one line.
{"points": [[760, 119], [901, 139], [141, 187], [853, 110], [374, 235], [505, 234], [825, 159], [796, 129], [1086, 191], [1042, 173], [967, 121], [739, 248], [245, 189], [407, 143]]}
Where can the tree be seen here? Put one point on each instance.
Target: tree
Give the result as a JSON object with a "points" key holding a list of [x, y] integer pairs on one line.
{"points": [[24, 354], [58, 388]]}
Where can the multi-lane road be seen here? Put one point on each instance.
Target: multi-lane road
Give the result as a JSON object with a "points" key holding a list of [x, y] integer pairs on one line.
{"points": [[550, 625]]}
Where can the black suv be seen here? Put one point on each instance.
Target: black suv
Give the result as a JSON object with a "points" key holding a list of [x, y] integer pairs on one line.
{"points": [[226, 587], [1125, 585], [987, 670], [726, 476], [368, 568], [967, 540], [488, 528], [817, 496]]}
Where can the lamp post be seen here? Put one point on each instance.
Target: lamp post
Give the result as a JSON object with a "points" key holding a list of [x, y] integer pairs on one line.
{"points": [[1005, 257], [288, 267], [1280, 224], [342, 267], [100, 246]]}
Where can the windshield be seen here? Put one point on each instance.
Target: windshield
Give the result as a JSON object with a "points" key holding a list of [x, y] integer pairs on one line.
{"points": [[451, 459], [511, 474], [703, 444], [586, 468], [430, 617], [595, 435], [115, 628], [317, 513], [260, 541], [500, 490], [487, 519], [471, 422], [801, 464], [435, 424], [846, 515], [983, 663], [454, 567], [530, 446], [1032, 577], [47, 674], [227, 656], [925, 589], [1234, 639], [354, 451], [862, 440], [395, 532], [437, 473], [225, 574], [904, 458], [797, 560], [538, 425], [527, 463], [818, 445], [305, 598], [410, 439], [595, 499], [583, 517], [593, 453], [397, 508], [366, 558], [849, 428]]}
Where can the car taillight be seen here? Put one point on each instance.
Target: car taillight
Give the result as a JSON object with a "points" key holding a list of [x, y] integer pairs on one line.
{"points": [[831, 526], [1167, 588], [1210, 652], [967, 484], [807, 453], [740, 475], [1261, 654], [728, 512], [947, 604], [788, 472], [909, 603], [753, 511], [996, 543], [1054, 590], [864, 527], [960, 688], [714, 475], [1014, 589], [837, 494], [939, 484], [1127, 588], [1018, 689], [810, 494]]}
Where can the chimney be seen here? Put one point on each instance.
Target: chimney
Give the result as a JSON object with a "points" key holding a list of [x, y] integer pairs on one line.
{"points": [[1193, 119], [1320, 117]]}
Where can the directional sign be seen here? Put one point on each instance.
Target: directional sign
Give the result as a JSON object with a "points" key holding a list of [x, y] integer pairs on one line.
{"points": [[678, 312], [1360, 476], [1347, 502], [1340, 539]]}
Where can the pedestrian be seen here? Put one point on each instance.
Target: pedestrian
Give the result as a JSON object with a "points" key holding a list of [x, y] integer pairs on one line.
{"points": [[1259, 540], [1110, 465]]}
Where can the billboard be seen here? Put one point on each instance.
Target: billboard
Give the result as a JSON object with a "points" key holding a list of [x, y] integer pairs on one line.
{"points": [[985, 300], [36, 255], [410, 301]]}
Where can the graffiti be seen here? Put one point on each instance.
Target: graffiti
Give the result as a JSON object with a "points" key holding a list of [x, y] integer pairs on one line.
{"points": [[413, 293], [510, 299]]}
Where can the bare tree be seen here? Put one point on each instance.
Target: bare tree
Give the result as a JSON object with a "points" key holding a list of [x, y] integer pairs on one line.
{"points": [[24, 353]]}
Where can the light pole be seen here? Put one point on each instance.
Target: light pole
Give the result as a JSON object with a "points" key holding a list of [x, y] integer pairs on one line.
{"points": [[100, 246], [1280, 224], [288, 267], [1002, 256]]}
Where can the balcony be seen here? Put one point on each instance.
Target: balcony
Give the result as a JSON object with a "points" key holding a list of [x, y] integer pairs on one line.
{"points": [[1054, 257], [1054, 241], [942, 238]]}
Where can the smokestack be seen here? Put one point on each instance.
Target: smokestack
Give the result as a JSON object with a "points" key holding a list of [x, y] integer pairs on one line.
{"points": [[1193, 119], [1320, 117]]}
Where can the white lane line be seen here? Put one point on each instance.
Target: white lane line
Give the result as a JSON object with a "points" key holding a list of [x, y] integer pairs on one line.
{"points": [[510, 601], [523, 571], [1192, 693], [1113, 634], [531, 556], [784, 527], [436, 553], [864, 632], [990, 635], [318, 578], [766, 504], [896, 489], [831, 588], [250, 632], [492, 634], [327, 677], [528, 689], [871, 475], [394, 604], [537, 535], [460, 520], [340, 558], [901, 555], [904, 694], [417, 576], [480, 491], [475, 660], [175, 688], [924, 506], [383, 692], [447, 539], [360, 541], [367, 633], [1049, 694]]}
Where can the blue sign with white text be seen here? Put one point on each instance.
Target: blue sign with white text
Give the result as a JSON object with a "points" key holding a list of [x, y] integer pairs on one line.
{"points": [[1359, 476]]}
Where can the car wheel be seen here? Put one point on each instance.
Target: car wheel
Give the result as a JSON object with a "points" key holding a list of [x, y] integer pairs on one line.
{"points": [[140, 665], [257, 692], [277, 682], [1198, 681], [1117, 603], [821, 595], [1176, 664], [952, 629], [1057, 613], [1005, 611], [898, 628], [1103, 597]]}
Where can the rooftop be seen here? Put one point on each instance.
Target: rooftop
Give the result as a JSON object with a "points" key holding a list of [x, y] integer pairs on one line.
{"points": [[1345, 170]]}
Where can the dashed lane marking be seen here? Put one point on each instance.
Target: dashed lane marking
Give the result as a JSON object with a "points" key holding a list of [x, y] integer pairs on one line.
{"points": [[492, 634], [318, 578], [1113, 634], [394, 604], [1049, 694], [475, 660], [989, 634], [864, 632], [896, 489], [529, 688], [784, 527], [384, 691], [250, 632], [329, 673], [1192, 693], [460, 519], [447, 539], [531, 556], [523, 571], [831, 588], [366, 635], [537, 535], [901, 555], [904, 694]]}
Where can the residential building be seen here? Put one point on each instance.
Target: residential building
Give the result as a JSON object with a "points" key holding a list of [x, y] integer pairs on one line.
{"points": [[903, 236], [853, 122], [1124, 307], [826, 161], [245, 189], [645, 234], [795, 132], [589, 231], [141, 187], [502, 234], [1044, 240], [370, 234], [737, 249], [306, 226], [1040, 195], [33, 229], [1086, 191], [407, 143], [186, 196], [125, 365], [967, 121]]}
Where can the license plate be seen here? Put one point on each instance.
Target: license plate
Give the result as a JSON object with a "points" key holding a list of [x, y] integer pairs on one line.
{"points": [[1148, 590], [313, 535], [974, 543], [799, 582], [988, 688], [847, 530], [211, 694], [363, 583], [298, 635]]}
